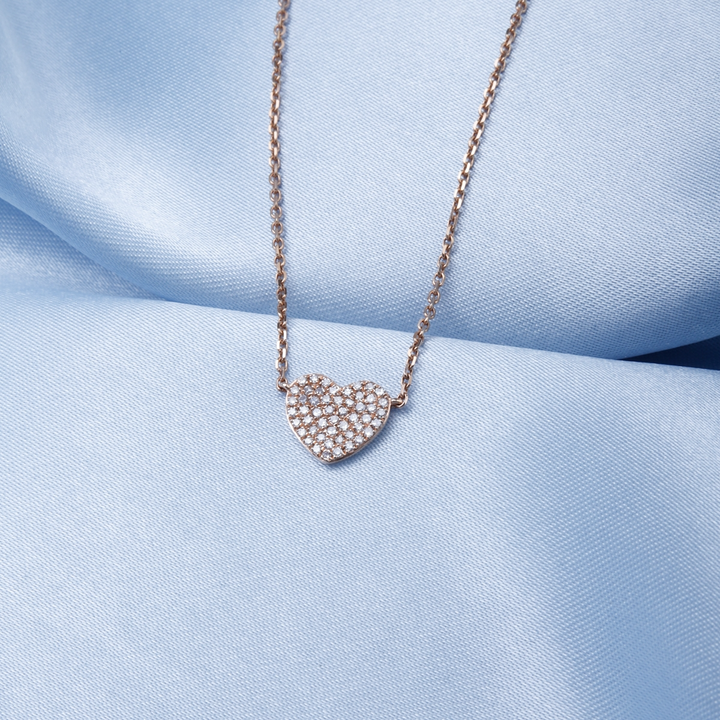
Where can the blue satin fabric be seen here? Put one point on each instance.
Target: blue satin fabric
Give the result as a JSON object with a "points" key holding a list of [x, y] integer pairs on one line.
{"points": [[535, 536]]}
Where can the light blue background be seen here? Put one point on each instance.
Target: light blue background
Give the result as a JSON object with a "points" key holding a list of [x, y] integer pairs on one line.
{"points": [[535, 536]]}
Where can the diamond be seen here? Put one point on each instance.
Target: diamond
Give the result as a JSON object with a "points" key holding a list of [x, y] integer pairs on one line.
{"points": [[334, 422]]}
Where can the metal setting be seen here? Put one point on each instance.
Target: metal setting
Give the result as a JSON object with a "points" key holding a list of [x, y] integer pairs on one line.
{"points": [[335, 422], [276, 212]]}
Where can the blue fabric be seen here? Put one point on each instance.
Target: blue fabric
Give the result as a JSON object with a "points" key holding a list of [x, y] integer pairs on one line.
{"points": [[137, 132], [535, 536], [539, 542]]}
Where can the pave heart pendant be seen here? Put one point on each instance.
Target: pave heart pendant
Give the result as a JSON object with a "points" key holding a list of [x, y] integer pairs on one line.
{"points": [[335, 422]]}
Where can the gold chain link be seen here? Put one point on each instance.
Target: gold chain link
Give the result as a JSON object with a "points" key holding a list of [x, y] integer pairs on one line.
{"points": [[448, 241]]}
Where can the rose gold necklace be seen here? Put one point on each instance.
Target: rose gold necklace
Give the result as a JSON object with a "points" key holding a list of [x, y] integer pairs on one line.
{"points": [[331, 421]]}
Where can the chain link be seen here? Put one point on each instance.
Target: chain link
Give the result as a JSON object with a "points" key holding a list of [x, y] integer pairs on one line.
{"points": [[448, 241]]}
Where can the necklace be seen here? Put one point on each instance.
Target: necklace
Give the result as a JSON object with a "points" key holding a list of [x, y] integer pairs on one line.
{"points": [[331, 421]]}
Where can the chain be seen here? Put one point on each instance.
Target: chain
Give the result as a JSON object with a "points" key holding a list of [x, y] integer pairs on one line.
{"points": [[438, 281], [281, 364]]}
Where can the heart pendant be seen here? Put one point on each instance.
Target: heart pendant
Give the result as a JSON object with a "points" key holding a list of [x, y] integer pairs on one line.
{"points": [[335, 422]]}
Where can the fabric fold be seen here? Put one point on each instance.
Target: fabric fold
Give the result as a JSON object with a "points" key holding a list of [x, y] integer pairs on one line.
{"points": [[138, 135]]}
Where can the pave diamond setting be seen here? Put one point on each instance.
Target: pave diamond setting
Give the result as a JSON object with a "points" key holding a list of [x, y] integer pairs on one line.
{"points": [[320, 396]]}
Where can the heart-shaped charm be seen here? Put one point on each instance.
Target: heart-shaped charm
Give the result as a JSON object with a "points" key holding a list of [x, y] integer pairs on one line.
{"points": [[335, 422]]}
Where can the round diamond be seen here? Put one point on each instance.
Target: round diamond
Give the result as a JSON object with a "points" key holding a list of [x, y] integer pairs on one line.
{"points": [[317, 412], [368, 431], [366, 418], [291, 412], [308, 390], [333, 419], [382, 402], [329, 444], [359, 440], [308, 419], [337, 451], [371, 398], [308, 440], [322, 422], [343, 425], [296, 422], [314, 400], [360, 406], [334, 390], [314, 379], [376, 423], [349, 434], [326, 455], [326, 399], [381, 413], [342, 411], [359, 395], [347, 392], [303, 398], [379, 391], [349, 402], [331, 430], [372, 407], [353, 417], [313, 429], [295, 390], [326, 382], [304, 409], [317, 449], [349, 446], [358, 426], [320, 437], [329, 409], [292, 400], [302, 432], [357, 386]]}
